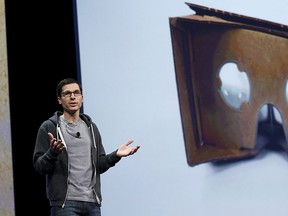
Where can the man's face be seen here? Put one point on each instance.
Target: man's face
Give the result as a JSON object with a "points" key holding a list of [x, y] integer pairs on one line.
{"points": [[71, 98]]}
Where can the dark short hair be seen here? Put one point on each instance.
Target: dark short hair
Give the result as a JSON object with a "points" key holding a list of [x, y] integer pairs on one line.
{"points": [[66, 82]]}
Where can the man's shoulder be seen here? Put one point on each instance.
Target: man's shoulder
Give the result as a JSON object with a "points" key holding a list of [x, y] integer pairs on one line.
{"points": [[86, 118], [51, 121]]}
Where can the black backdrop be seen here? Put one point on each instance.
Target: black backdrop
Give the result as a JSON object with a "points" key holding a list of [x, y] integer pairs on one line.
{"points": [[42, 49]]}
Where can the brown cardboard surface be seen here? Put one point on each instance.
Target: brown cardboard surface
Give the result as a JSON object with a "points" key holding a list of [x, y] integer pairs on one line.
{"points": [[202, 43]]}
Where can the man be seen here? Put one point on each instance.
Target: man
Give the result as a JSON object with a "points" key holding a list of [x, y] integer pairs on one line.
{"points": [[69, 152]]}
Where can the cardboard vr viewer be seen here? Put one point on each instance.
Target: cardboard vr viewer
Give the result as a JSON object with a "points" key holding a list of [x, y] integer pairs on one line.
{"points": [[231, 73]]}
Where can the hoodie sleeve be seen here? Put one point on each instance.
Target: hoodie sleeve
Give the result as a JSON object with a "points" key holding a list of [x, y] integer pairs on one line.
{"points": [[44, 158], [108, 161], [104, 161]]}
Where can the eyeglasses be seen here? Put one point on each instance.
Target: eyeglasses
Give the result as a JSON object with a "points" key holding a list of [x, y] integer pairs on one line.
{"points": [[68, 94]]}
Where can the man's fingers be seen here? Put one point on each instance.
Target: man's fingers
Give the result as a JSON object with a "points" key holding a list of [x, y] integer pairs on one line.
{"points": [[50, 136], [129, 142]]}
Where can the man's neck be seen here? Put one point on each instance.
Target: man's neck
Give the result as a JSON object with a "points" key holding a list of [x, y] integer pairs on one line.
{"points": [[71, 117]]}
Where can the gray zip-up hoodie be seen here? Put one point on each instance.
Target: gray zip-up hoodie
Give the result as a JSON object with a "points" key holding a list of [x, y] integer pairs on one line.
{"points": [[54, 165]]}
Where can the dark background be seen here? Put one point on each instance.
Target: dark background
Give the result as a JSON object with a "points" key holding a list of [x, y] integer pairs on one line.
{"points": [[42, 49]]}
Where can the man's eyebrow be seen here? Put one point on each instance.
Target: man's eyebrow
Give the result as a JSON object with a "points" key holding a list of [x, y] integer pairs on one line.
{"points": [[71, 91]]}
